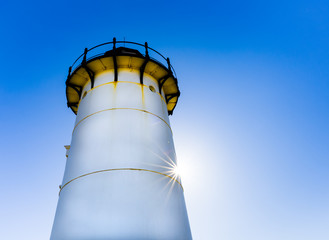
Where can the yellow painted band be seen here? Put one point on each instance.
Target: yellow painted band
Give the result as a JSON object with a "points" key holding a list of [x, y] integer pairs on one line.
{"points": [[110, 109], [120, 169], [139, 84]]}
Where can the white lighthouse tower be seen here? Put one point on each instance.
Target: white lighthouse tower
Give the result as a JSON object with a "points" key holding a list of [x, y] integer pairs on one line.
{"points": [[120, 180]]}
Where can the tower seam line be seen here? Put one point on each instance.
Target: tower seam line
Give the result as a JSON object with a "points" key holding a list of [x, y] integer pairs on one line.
{"points": [[110, 109], [120, 169]]}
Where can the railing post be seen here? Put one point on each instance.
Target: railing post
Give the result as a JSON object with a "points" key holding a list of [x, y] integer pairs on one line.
{"points": [[169, 65], [85, 55], [142, 69], [115, 61], [146, 50], [114, 42], [70, 69]]}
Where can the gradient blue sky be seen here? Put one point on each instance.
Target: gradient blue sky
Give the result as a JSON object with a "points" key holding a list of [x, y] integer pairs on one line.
{"points": [[251, 127]]}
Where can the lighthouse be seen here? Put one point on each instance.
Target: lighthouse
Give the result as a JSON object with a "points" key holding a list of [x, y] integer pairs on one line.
{"points": [[120, 180]]}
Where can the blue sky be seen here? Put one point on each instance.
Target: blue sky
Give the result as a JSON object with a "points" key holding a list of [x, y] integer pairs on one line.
{"points": [[251, 127]]}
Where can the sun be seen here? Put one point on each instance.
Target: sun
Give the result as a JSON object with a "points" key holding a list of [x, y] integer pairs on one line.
{"points": [[176, 171]]}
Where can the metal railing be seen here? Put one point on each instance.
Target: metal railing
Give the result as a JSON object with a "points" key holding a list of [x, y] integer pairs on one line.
{"points": [[165, 62]]}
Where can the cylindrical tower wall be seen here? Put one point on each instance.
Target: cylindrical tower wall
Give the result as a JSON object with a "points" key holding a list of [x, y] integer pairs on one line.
{"points": [[119, 180]]}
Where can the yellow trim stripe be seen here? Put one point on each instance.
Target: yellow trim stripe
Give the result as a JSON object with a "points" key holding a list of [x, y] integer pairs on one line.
{"points": [[125, 82], [120, 169], [110, 109]]}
